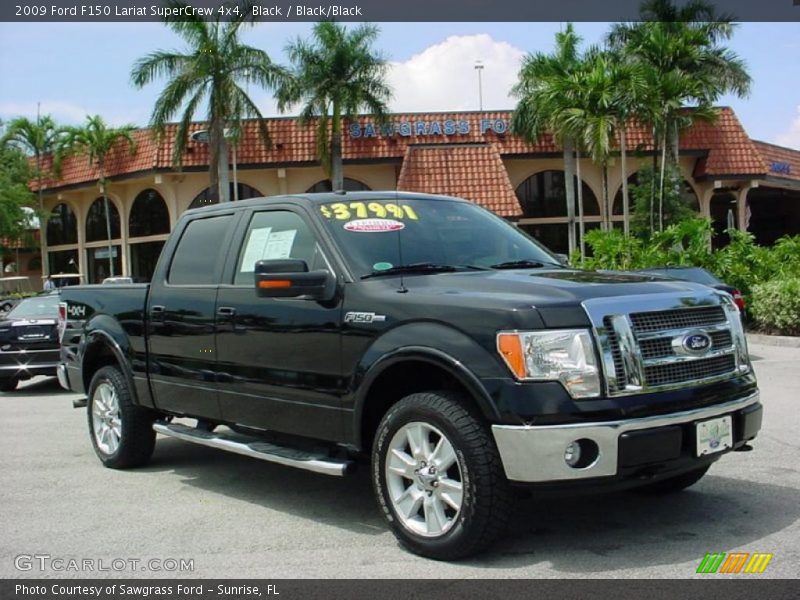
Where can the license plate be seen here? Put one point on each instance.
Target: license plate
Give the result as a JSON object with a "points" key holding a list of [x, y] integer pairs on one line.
{"points": [[715, 435]]}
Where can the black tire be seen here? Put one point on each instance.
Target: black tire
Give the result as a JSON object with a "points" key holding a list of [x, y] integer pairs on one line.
{"points": [[137, 438], [8, 384], [486, 493], [674, 484]]}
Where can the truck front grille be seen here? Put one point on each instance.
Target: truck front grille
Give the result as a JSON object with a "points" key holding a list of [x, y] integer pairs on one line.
{"points": [[644, 349]]}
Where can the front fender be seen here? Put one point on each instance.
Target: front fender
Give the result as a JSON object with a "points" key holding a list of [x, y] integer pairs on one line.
{"points": [[435, 343]]}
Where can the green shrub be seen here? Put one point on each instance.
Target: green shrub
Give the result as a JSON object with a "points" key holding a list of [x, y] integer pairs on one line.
{"points": [[775, 305]]}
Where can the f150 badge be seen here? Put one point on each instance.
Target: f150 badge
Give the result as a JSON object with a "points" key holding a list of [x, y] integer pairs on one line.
{"points": [[363, 317]]}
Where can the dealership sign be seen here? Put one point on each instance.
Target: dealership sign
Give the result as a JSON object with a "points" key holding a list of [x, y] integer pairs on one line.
{"points": [[426, 127]]}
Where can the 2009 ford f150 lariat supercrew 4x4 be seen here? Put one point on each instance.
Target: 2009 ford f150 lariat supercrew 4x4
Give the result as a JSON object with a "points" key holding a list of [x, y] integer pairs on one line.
{"points": [[420, 331]]}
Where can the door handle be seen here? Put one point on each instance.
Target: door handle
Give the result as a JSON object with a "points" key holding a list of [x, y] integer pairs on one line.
{"points": [[226, 311], [157, 310]]}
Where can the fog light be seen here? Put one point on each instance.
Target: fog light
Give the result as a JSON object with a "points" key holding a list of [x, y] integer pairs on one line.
{"points": [[572, 455], [582, 453]]}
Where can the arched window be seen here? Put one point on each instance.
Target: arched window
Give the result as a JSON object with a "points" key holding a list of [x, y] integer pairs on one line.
{"points": [[543, 198], [350, 185], [544, 195], [149, 215], [209, 196], [96, 221], [62, 226], [688, 195]]}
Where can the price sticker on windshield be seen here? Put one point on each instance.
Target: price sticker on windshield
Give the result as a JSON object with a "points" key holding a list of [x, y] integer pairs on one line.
{"points": [[343, 211]]}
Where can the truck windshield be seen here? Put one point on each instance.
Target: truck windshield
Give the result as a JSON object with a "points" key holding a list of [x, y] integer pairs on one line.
{"points": [[442, 235]]}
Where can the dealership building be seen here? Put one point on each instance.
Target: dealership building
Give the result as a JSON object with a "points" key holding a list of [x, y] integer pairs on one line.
{"points": [[727, 177]]}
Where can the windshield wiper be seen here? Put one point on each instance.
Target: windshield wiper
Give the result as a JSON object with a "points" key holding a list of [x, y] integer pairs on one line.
{"points": [[523, 264], [422, 267]]}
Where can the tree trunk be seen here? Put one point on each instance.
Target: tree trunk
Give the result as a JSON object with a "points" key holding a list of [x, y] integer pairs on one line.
{"points": [[624, 166], [42, 220], [569, 185], [337, 176], [581, 225], [653, 183], [108, 220], [661, 182], [606, 207]]}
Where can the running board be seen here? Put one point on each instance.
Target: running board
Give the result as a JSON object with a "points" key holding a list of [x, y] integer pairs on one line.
{"points": [[255, 448]]}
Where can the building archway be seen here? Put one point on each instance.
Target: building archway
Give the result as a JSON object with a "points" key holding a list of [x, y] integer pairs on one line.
{"points": [[148, 228], [62, 226], [97, 243], [209, 196], [723, 216], [350, 185], [688, 194], [543, 199]]}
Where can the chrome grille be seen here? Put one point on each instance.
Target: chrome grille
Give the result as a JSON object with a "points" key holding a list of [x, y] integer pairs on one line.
{"points": [[642, 341], [677, 318], [689, 370]]}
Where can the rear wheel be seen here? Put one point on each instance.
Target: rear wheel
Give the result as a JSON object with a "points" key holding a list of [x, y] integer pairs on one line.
{"points": [[8, 384], [674, 484], [122, 433], [438, 477]]}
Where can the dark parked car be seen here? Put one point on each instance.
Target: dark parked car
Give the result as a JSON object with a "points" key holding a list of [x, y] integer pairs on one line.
{"points": [[29, 340], [698, 275]]}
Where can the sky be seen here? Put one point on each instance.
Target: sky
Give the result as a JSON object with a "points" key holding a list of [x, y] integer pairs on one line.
{"points": [[75, 69]]}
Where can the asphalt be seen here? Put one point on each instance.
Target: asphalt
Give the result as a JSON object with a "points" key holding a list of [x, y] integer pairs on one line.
{"points": [[237, 517]]}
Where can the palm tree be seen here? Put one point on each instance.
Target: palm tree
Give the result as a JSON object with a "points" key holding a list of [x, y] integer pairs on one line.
{"points": [[545, 91], [335, 76], [97, 140], [39, 138], [687, 65], [210, 73]]}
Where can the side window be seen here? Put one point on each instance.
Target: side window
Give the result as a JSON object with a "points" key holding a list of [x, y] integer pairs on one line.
{"points": [[197, 252], [277, 234]]}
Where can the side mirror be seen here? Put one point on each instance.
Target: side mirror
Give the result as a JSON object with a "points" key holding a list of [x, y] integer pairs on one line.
{"points": [[290, 278], [563, 259]]}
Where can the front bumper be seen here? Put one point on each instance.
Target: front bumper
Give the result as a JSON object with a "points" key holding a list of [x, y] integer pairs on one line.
{"points": [[535, 454]]}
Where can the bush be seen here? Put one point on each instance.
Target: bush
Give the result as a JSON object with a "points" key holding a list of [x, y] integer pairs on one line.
{"points": [[775, 305]]}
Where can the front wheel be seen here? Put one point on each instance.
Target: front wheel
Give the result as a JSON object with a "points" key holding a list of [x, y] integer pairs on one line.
{"points": [[122, 432], [438, 477]]}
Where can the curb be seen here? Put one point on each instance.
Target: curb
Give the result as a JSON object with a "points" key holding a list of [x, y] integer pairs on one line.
{"points": [[783, 341]]}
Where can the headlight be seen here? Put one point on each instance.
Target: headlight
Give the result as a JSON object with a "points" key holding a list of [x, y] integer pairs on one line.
{"points": [[565, 355]]}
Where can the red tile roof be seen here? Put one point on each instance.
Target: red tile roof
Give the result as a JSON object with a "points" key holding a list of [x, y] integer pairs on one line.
{"points": [[471, 171], [728, 150], [781, 161]]}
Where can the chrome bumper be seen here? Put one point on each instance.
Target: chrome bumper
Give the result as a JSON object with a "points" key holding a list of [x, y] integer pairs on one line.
{"points": [[61, 372], [536, 453]]}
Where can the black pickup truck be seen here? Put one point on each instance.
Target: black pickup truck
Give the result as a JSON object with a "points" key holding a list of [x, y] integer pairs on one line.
{"points": [[420, 333]]}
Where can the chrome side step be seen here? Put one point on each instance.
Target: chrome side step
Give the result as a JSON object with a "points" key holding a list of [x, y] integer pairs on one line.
{"points": [[255, 448]]}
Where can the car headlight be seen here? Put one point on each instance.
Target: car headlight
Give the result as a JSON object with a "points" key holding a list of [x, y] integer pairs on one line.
{"points": [[565, 355]]}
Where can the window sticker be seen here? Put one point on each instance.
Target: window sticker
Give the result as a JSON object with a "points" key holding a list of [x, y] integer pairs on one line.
{"points": [[256, 245], [279, 244], [373, 225], [342, 211]]}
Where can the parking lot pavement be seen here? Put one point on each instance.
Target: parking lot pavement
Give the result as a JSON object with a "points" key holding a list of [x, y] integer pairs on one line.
{"points": [[238, 517]]}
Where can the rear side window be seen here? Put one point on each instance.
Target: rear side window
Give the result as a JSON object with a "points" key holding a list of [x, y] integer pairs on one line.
{"points": [[198, 251]]}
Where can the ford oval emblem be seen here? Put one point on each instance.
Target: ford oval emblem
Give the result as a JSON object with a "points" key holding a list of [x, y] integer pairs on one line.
{"points": [[697, 343]]}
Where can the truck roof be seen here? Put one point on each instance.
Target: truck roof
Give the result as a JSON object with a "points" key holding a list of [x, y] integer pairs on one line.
{"points": [[321, 198]]}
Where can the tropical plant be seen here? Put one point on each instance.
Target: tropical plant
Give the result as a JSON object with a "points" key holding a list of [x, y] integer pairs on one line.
{"points": [[211, 72], [97, 140], [546, 90], [686, 65], [334, 76], [14, 194], [40, 138], [674, 208], [775, 305]]}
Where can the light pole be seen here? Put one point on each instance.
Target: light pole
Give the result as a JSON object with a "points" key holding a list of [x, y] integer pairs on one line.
{"points": [[479, 68], [202, 136]]}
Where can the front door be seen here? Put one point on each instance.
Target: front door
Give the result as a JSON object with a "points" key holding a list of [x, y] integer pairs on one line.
{"points": [[278, 359]]}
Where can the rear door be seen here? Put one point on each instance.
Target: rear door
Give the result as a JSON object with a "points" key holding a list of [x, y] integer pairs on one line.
{"points": [[181, 317], [279, 359]]}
